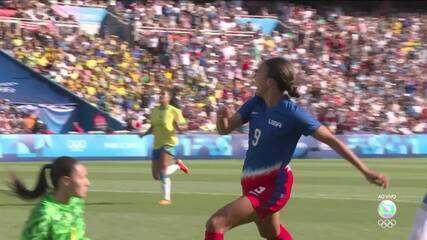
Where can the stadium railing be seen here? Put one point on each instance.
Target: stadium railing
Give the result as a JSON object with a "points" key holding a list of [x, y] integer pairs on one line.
{"points": [[79, 5], [192, 30], [252, 16], [28, 22]]}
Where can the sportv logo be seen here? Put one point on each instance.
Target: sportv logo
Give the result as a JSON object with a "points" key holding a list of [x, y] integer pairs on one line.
{"points": [[387, 211], [77, 145]]}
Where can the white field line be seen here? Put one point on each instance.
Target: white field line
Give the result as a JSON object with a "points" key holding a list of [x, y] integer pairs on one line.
{"points": [[320, 196]]}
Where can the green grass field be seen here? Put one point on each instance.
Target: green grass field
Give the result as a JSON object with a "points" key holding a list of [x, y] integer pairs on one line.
{"points": [[331, 201]]}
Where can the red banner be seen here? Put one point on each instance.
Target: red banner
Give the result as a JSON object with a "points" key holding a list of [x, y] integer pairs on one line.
{"points": [[4, 12], [33, 27]]}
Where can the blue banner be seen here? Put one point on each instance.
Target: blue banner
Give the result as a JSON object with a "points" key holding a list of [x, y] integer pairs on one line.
{"points": [[82, 14], [388, 145], [55, 117], [19, 84], [382, 145], [267, 25], [89, 18], [106, 147], [192, 146]]}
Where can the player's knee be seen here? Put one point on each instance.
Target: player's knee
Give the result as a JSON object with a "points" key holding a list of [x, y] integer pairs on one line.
{"points": [[215, 224], [163, 172]]}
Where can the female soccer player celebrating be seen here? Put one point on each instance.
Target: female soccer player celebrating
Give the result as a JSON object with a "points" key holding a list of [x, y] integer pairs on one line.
{"points": [[166, 120], [276, 124], [59, 214]]}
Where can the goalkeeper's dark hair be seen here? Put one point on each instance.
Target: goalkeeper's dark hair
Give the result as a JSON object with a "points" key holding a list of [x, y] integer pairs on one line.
{"points": [[62, 166], [282, 72]]}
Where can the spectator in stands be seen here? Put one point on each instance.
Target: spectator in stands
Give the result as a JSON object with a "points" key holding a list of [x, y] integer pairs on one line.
{"points": [[77, 128], [133, 124], [29, 121], [100, 122], [41, 128]]}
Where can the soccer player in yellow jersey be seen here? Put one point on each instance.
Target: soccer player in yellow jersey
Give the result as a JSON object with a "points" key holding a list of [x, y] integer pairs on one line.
{"points": [[166, 121]]}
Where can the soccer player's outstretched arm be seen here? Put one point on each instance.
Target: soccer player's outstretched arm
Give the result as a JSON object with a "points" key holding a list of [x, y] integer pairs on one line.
{"points": [[180, 124], [324, 135], [149, 131]]}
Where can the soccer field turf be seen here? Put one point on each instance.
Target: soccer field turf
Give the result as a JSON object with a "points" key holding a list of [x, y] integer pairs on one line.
{"points": [[330, 200]]}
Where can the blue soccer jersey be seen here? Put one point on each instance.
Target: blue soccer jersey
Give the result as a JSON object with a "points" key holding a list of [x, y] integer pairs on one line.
{"points": [[274, 133]]}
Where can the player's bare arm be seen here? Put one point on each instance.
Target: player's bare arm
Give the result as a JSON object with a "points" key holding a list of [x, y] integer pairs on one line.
{"points": [[324, 135], [180, 127], [149, 131]]}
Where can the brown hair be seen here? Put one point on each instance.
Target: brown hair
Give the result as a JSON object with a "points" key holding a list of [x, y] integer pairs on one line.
{"points": [[282, 71]]}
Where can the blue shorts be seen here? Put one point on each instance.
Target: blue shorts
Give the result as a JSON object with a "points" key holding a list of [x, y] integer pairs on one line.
{"points": [[168, 149]]}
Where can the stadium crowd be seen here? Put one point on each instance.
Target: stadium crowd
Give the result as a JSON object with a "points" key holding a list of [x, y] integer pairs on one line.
{"points": [[355, 74], [10, 119], [16, 119], [218, 15], [34, 10]]}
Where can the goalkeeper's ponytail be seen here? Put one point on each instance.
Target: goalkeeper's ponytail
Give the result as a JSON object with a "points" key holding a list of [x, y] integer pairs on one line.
{"points": [[62, 166], [41, 188]]}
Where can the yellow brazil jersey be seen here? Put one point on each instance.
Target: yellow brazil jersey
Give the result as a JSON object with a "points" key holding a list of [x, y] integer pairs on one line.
{"points": [[162, 122]]}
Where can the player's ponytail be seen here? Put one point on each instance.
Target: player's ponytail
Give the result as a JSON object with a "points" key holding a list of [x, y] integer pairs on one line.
{"points": [[41, 188], [282, 71], [62, 166]]}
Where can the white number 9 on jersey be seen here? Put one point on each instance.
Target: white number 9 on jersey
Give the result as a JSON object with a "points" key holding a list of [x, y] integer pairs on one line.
{"points": [[257, 135]]}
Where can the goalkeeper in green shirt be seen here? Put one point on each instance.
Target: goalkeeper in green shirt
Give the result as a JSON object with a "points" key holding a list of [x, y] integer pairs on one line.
{"points": [[59, 214]]}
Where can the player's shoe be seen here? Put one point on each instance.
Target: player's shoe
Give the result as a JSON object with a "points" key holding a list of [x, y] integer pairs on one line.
{"points": [[182, 166], [165, 202]]}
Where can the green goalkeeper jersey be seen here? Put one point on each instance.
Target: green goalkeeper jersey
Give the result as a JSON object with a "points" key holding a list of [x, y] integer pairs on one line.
{"points": [[51, 220]]}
